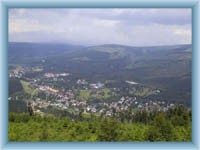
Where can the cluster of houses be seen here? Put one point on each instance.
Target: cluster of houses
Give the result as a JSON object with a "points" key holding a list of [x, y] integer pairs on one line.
{"points": [[52, 75], [97, 85], [16, 73], [48, 89], [124, 104], [81, 82], [20, 72], [67, 99]]}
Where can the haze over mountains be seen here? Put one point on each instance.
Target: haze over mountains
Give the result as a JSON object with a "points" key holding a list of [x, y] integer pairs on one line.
{"points": [[164, 67]]}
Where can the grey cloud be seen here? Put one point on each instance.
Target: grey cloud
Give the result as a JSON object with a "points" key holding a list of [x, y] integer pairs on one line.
{"points": [[138, 27], [180, 16], [143, 16]]}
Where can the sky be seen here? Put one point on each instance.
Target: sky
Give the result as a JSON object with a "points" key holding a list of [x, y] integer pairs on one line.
{"points": [[127, 26]]}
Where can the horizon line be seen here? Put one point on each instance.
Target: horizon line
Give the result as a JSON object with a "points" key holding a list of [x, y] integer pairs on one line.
{"points": [[105, 44]]}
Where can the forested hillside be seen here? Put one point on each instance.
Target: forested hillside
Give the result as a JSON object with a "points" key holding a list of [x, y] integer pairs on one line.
{"points": [[173, 125]]}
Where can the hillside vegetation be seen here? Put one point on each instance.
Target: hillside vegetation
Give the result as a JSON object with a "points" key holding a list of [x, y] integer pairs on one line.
{"points": [[173, 125]]}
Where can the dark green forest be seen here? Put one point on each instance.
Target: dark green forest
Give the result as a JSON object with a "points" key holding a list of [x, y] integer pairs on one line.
{"points": [[172, 125], [14, 86]]}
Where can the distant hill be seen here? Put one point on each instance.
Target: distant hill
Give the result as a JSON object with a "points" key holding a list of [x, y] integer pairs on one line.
{"points": [[36, 50]]}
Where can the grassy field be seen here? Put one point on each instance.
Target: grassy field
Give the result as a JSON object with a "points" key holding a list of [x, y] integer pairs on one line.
{"points": [[28, 89], [37, 70], [106, 91], [86, 94], [143, 92]]}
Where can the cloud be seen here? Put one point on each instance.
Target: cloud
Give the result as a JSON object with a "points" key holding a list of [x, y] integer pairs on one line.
{"points": [[137, 27]]}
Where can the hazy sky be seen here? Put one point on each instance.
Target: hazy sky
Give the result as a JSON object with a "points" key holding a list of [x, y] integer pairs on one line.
{"points": [[136, 27]]}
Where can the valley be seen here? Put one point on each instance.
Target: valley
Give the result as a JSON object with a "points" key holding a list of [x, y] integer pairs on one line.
{"points": [[103, 80]]}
